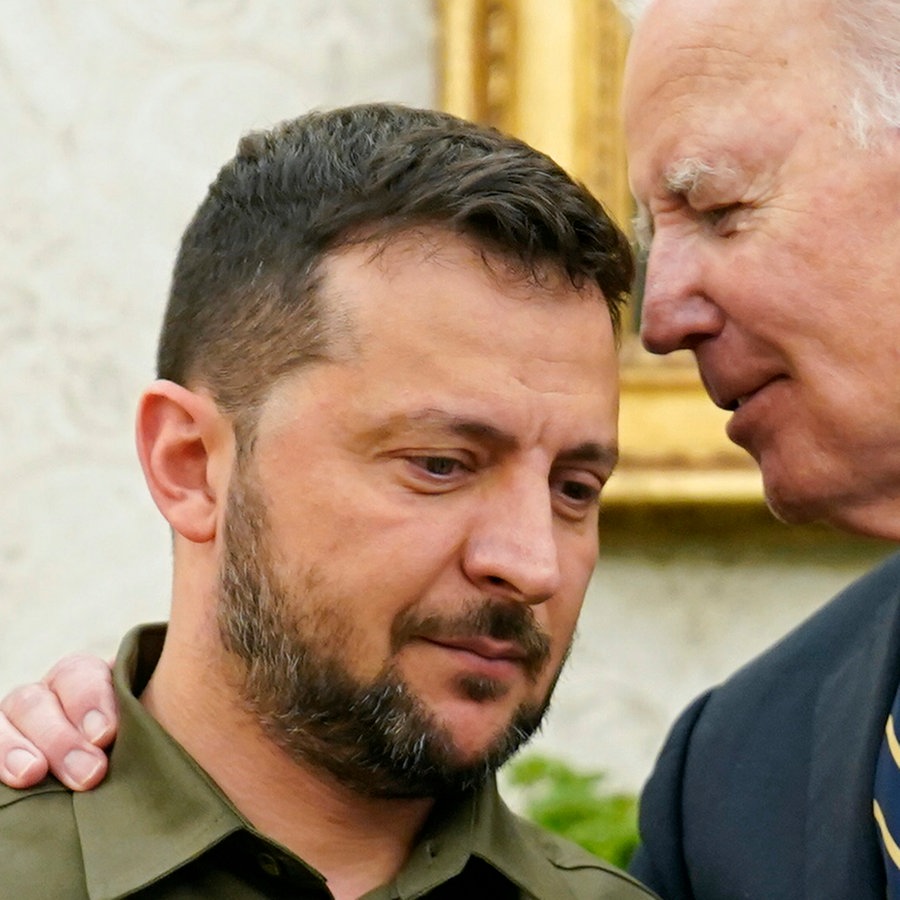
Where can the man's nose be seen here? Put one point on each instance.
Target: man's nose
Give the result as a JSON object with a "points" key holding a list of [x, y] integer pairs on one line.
{"points": [[512, 549], [677, 312]]}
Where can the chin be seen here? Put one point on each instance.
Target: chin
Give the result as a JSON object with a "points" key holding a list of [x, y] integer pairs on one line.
{"points": [[797, 504], [489, 729], [472, 742], [787, 511]]}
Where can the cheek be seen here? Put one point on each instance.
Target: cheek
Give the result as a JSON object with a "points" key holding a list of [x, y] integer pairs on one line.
{"points": [[760, 286], [562, 611], [578, 569], [564, 619]]}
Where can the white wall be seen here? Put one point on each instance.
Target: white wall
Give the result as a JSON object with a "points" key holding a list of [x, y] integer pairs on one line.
{"points": [[115, 115]]}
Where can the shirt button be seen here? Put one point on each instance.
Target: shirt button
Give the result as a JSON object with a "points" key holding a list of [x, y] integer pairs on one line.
{"points": [[269, 864]]}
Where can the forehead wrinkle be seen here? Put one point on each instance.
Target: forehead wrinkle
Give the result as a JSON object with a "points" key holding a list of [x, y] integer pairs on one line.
{"points": [[728, 37], [685, 71]]}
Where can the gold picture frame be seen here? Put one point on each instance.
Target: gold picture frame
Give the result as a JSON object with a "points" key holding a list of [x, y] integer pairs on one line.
{"points": [[550, 72]]}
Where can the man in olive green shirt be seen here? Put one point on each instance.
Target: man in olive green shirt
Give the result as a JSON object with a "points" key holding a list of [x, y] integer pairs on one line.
{"points": [[385, 412], [159, 827]]}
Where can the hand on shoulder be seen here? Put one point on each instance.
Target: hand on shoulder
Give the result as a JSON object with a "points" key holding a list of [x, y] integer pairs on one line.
{"points": [[59, 725]]}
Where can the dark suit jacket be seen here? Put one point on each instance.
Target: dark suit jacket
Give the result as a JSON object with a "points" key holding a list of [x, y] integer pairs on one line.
{"points": [[763, 790]]}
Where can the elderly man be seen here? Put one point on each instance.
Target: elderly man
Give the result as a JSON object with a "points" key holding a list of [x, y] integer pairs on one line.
{"points": [[764, 155], [385, 414]]}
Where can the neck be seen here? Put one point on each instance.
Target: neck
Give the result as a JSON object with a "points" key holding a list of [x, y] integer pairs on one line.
{"points": [[356, 842]]}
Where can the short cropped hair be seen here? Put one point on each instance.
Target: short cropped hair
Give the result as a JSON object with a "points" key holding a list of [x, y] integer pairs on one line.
{"points": [[245, 308]]}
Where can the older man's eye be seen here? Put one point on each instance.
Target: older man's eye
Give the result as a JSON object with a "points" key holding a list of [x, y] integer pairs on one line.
{"points": [[724, 220]]}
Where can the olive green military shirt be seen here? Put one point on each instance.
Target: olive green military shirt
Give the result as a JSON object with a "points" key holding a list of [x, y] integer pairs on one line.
{"points": [[158, 827]]}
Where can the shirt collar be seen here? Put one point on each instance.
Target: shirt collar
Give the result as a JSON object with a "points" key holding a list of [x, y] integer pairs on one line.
{"points": [[156, 809], [481, 825]]}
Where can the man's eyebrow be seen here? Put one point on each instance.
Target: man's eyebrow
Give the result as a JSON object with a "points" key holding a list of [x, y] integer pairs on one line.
{"points": [[681, 178], [482, 432], [690, 173], [438, 419], [590, 452]]}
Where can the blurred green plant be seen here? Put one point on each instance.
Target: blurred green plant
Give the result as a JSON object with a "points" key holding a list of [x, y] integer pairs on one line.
{"points": [[575, 805]]}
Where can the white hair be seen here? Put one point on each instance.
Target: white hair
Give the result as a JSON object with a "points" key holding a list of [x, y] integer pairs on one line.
{"points": [[633, 9], [870, 50], [868, 47]]}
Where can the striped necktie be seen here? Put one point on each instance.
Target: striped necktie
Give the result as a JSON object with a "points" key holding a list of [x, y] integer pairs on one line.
{"points": [[887, 801]]}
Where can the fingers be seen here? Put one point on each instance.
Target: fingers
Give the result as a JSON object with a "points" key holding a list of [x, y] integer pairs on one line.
{"points": [[83, 686], [21, 763], [61, 724]]}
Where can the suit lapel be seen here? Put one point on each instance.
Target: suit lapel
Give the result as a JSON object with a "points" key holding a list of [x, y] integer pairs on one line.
{"points": [[843, 859]]}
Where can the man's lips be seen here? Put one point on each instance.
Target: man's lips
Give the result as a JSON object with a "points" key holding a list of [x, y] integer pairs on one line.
{"points": [[491, 635], [490, 657], [732, 398], [485, 647]]}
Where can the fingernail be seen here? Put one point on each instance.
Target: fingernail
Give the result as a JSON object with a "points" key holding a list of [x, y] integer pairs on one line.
{"points": [[94, 725], [19, 761], [80, 766]]}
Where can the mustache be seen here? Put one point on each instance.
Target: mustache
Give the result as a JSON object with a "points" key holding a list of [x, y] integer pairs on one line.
{"points": [[500, 620]]}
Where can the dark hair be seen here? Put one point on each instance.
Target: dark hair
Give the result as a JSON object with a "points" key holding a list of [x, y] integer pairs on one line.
{"points": [[244, 308]]}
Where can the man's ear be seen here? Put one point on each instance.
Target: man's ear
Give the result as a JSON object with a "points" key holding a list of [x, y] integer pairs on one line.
{"points": [[185, 445]]}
